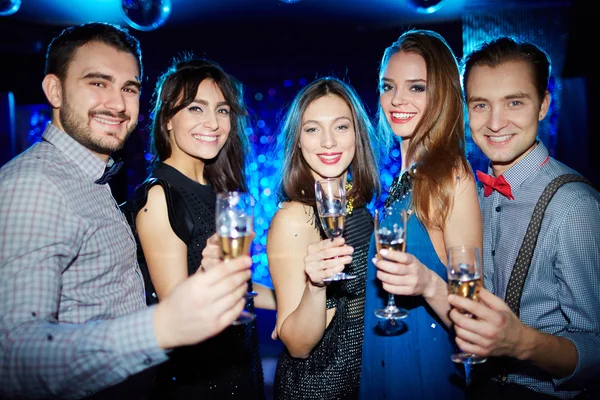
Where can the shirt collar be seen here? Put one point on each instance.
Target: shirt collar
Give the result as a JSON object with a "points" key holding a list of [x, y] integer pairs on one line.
{"points": [[89, 163], [518, 173]]}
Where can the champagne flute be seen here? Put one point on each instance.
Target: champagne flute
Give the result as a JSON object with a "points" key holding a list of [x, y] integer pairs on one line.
{"points": [[330, 195], [390, 233], [465, 280], [235, 228]]}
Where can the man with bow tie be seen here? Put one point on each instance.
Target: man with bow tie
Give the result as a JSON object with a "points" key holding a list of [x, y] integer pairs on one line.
{"points": [[542, 339], [73, 317]]}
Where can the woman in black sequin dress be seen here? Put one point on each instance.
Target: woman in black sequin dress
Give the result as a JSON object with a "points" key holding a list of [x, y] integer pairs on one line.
{"points": [[327, 133], [199, 146]]}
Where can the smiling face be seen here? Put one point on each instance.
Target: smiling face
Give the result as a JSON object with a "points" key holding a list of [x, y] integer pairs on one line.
{"points": [[403, 92], [328, 137], [504, 112], [98, 103], [201, 129]]}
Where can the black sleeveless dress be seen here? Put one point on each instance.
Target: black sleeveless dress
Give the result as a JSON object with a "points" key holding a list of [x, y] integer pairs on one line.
{"points": [[227, 366], [332, 371]]}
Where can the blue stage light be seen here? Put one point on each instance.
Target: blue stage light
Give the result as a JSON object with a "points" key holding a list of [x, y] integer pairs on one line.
{"points": [[426, 6], [9, 7], [146, 15]]}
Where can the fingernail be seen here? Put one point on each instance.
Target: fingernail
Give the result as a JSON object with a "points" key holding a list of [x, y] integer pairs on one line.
{"points": [[374, 260], [383, 252]]}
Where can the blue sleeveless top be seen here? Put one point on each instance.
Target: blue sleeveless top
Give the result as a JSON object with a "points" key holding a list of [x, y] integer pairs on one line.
{"points": [[411, 358]]}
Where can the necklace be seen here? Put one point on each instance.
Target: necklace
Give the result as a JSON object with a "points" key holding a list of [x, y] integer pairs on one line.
{"points": [[350, 201]]}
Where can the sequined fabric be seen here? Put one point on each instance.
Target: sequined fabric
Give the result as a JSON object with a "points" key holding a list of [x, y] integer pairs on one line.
{"points": [[401, 186], [332, 371], [227, 366]]}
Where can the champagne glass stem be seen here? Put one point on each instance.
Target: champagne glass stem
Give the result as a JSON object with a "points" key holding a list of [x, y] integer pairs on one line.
{"points": [[382, 227], [391, 302]]}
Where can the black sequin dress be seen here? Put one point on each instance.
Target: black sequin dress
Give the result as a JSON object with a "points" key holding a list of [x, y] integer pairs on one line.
{"points": [[227, 366], [332, 371]]}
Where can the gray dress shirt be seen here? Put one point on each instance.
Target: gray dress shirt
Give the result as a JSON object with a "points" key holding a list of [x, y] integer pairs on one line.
{"points": [[73, 318]]}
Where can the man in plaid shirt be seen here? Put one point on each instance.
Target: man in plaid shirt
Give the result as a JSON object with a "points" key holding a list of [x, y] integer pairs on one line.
{"points": [[73, 317]]}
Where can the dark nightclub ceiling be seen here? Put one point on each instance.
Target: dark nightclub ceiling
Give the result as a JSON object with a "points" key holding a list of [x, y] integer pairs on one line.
{"points": [[192, 12]]}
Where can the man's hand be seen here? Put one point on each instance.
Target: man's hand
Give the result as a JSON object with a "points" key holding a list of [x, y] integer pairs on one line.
{"points": [[202, 305], [492, 330]]}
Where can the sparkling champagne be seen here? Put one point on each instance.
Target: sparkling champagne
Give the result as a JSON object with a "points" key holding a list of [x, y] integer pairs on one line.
{"points": [[232, 247], [468, 288], [333, 224], [396, 245]]}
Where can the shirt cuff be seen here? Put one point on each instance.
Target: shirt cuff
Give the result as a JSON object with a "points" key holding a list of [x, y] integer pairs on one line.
{"points": [[588, 360], [137, 343]]}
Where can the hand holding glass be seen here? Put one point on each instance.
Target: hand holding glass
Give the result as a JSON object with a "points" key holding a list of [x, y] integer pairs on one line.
{"points": [[235, 228], [390, 233], [465, 280], [331, 205]]}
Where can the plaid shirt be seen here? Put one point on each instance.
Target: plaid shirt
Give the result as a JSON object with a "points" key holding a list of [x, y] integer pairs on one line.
{"points": [[73, 317], [561, 295]]}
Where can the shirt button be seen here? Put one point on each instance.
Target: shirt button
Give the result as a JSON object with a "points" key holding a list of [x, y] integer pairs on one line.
{"points": [[493, 253], [148, 361], [498, 209]]}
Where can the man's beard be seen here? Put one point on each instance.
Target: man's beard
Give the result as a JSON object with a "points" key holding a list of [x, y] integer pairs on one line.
{"points": [[79, 130]]}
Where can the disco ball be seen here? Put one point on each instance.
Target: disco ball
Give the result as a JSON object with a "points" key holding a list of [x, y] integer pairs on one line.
{"points": [[426, 6], [9, 7], [146, 15]]}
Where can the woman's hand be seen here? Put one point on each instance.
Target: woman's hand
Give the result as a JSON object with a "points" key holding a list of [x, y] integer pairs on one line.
{"points": [[211, 253], [326, 258], [403, 274]]}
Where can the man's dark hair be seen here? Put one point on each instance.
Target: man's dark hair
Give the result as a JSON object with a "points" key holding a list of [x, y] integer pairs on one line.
{"points": [[63, 47], [504, 49]]}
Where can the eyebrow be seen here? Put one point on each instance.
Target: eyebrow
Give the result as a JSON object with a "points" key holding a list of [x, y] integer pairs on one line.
{"points": [[518, 95], [109, 78], [408, 80], [335, 120], [205, 103], [512, 96]]}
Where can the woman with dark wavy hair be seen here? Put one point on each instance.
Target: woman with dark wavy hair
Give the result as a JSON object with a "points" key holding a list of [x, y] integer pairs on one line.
{"points": [[421, 105], [199, 147], [326, 133]]}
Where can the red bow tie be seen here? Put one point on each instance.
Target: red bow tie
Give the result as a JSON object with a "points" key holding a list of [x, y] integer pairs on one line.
{"points": [[490, 184]]}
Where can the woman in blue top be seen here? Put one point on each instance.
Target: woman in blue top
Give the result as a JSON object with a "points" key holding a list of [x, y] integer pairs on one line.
{"points": [[421, 105]]}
